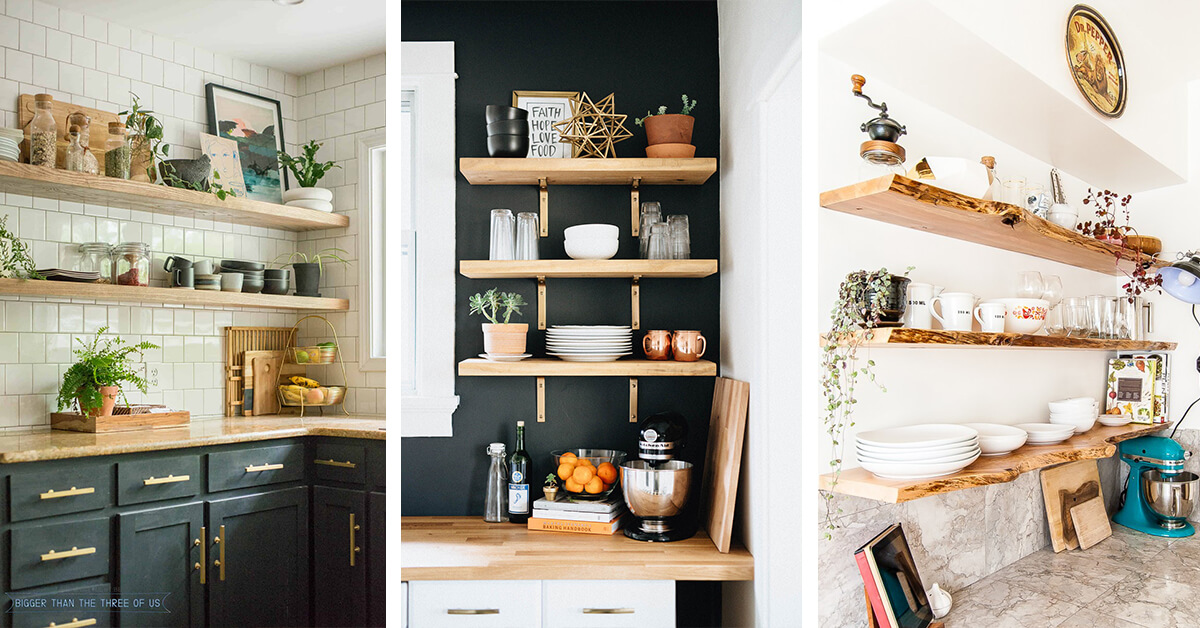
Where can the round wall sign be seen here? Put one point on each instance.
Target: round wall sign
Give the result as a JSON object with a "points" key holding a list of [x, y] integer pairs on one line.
{"points": [[1096, 61]]}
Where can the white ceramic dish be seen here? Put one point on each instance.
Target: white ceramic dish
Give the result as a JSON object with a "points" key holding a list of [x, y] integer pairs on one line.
{"points": [[1080, 424], [918, 436], [1115, 420], [936, 450], [591, 248], [592, 231], [1024, 316], [1074, 403], [919, 458], [321, 206], [902, 471], [307, 194], [505, 357], [996, 439]]}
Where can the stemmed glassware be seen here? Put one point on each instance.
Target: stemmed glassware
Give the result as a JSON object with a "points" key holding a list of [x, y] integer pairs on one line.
{"points": [[1053, 293], [1030, 285]]}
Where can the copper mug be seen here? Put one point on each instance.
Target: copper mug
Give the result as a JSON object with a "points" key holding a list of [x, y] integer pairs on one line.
{"points": [[689, 346], [657, 344]]}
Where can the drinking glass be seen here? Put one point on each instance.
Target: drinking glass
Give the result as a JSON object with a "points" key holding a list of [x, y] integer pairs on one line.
{"points": [[1035, 197], [680, 238], [1096, 305], [1131, 318], [1075, 314], [1030, 285], [527, 236], [1112, 310], [1012, 191], [651, 215], [657, 246], [504, 236]]}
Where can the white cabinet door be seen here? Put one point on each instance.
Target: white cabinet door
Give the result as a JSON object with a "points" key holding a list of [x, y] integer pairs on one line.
{"points": [[403, 605], [490, 603], [608, 603]]}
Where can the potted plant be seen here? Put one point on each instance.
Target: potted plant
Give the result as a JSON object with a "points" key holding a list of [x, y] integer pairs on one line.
{"points": [[309, 271], [308, 172], [499, 335], [550, 487], [1106, 229], [143, 128], [94, 381], [669, 134]]}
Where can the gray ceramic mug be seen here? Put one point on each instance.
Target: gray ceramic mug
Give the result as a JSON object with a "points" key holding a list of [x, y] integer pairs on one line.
{"points": [[183, 278]]}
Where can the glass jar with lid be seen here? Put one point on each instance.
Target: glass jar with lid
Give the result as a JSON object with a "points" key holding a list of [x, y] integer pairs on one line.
{"points": [[88, 161], [117, 152], [96, 257], [43, 132], [131, 264], [74, 157]]}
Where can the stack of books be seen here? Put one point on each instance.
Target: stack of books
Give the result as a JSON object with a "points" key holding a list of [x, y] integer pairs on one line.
{"points": [[563, 515]]}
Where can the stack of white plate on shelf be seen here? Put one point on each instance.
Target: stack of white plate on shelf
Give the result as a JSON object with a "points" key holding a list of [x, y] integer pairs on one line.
{"points": [[996, 439], [1046, 433], [10, 140], [1078, 412], [589, 343], [917, 451]]}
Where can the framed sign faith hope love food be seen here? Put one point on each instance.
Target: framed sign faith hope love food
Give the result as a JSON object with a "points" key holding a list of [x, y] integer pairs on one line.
{"points": [[1096, 62], [545, 109]]}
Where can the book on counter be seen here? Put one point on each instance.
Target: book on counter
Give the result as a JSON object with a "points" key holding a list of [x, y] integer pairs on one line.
{"points": [[892, 582], [610, 505], [582, 517], [577, 527]]}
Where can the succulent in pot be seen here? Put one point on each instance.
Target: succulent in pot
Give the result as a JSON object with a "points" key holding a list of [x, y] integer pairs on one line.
{"points": [[550, 487], [669, 135], [307, 172], [499, 335], [93, 383]]}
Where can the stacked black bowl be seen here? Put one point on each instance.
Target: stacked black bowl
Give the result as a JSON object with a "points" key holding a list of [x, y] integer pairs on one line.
{"points": [[252, 273], [508, 131]]}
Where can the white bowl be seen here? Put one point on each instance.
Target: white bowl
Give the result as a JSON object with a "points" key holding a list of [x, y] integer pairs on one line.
{"points": [[1024, 316], [1115, 420], [996, 439], [906, 456], [592, 231], [1081, 425], [970, 455], [321, 206], [916, 471], [307, 194], [917, 436], [1074, 403], [935, 450], [591, 248], [1045, 433]]}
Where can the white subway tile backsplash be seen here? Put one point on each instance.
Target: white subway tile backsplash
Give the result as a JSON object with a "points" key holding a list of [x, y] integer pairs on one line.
{"points": [[95, 28], [18, 379], [32, 348], [152, 71], [119, 36], [33, 38], [45, 379], [83, 52], [70, 78], [58, 347], [172, 349], [94, 317], [45, 14], [20, 9], [18, 66], [10, 411]]}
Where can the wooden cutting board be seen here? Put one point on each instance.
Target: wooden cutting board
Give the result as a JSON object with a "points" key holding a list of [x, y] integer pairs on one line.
{"points": [[723, 461], [1064, 487], [1091, 522], [262, 375], [239, 340]]}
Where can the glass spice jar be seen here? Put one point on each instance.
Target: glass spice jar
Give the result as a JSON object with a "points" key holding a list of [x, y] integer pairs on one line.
{"points": [[84, 122], [74, 156], [117, 152], [43, 132], [131, 264], [96, 257]]}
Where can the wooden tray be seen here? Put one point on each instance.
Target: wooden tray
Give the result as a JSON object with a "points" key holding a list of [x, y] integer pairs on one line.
{"points": [[75, 422]]}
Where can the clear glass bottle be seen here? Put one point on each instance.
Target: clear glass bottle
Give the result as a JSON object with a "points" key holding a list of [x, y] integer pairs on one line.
{"points": [[43, 132], [131, 264], [96, 257], [84, 122], [520, 467], [74, 156], [495, 506], [118, 152]]}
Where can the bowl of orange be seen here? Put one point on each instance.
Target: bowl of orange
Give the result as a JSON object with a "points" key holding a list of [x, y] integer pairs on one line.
{"points": [[588, 474]]}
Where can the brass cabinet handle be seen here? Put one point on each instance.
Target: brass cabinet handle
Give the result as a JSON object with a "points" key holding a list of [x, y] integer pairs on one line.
{"points": [[203, 552], [354, 549], [52, 494], [264, 467], [221, 561], [170, 479], [608, 611], [74, 551], [74, 623], [334, 463], [472, 611]]}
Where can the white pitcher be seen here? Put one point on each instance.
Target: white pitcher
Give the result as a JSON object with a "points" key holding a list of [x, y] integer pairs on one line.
{"points": [[917, 312]]}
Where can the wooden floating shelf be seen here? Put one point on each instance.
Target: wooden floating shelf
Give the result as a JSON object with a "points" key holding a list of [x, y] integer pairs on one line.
{"points": [[553, 367], [924, 338], [579, 171], [1098, 442], [64, 185], [908, 203], [583, 269], [180, 296]]}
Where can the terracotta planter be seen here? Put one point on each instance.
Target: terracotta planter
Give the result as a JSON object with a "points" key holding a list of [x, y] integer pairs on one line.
{"points": [[671, 151], [505, 338], [108, 394], [669, 128]]}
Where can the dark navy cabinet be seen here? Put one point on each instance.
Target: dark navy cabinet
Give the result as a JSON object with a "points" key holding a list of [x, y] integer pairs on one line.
{"points": [[160, 552], [339, 535]]}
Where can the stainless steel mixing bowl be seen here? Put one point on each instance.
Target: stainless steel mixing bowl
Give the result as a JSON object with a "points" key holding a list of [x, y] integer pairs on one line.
{"points": [[1170, 496], [658, 490]]}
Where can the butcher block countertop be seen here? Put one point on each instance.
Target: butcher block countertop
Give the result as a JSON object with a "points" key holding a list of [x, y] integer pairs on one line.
{"points": [[57, 445], [467, 548]]}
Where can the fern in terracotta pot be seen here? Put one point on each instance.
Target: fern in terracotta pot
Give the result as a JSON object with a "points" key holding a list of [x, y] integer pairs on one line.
{"points": [[94, 380], [499, 335], [669, 135]]}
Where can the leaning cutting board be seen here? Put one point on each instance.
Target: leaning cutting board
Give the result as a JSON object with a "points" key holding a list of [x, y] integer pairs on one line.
{"points": [[1091, 522], [1064, 487], [239, 340], [263, 370], [723, 461]]}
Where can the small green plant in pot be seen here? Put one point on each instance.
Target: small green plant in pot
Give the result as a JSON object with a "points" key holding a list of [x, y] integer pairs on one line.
{"points": [[500, 336], [669, 135], [94, 381], [306, 173], [550, 487], [310, 269]]}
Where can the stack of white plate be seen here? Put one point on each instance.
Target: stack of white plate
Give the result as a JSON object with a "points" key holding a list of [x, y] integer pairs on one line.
{"points": [[1046, 433], [10, 140], [996, 439], [1115, 420], [589, 343], [1079, 412], [917, 451]]}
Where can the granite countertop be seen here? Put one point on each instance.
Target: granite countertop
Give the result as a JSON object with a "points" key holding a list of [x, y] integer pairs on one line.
{"points": [[57, 445], [1130, 580]]}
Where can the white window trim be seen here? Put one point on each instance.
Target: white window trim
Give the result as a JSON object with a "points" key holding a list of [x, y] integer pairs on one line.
{"points": [[366, 145], [427, 68]]}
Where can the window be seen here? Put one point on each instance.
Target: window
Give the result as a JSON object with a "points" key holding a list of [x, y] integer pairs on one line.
{"points": [[426, 236], [372, 178]]}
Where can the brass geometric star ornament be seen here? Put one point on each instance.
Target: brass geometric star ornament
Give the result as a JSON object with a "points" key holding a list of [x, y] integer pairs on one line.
{"points": [[593, 128]]}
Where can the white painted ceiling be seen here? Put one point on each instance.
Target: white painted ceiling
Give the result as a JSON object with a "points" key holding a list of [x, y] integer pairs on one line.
{"points": [[296, 39]]}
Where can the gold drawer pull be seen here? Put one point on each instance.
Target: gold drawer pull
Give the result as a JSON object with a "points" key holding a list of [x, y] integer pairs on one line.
{"points": [[608, 611], [51, 494], [472, 611], [264, 467], [334, 463], [203, 552], [167, 480], [74, 551], [74, 623]]}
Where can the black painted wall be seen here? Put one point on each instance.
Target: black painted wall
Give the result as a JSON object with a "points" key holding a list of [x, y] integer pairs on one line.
{"points": [[648, 53]]}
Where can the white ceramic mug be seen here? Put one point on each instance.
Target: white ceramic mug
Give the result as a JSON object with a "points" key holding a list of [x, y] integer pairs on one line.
{"points": [[231, 282], [916, 312], [957, 310], [991, 317], [203, 267]]}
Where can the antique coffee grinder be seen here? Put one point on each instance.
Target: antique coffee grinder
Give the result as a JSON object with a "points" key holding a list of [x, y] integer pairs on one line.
{"points": [[656, 487], [1159, 494], [884, 132]]}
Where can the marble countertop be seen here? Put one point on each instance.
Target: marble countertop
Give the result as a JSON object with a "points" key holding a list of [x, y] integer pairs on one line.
{"points": [[1130, 580], [57, 445]]}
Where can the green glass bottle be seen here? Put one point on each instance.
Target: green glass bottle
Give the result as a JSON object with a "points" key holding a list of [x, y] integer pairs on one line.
{"points": [[519, 468]]}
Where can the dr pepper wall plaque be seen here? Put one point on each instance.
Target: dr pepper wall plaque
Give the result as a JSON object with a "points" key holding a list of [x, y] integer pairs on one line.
{"points": [[1096, 62]]}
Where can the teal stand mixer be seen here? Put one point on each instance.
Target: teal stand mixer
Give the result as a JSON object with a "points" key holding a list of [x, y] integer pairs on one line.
{"points": [[1159, 494]]}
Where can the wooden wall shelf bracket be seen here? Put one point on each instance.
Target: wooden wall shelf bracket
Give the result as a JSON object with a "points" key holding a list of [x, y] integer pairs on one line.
{"points": [[544, 207], [541, 400], [633, 400], [541, 297], [636, 302], [635, 205]]}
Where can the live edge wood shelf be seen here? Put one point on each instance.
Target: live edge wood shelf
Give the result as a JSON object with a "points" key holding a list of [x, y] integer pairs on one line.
{"points": [[64, 185], [578, 171], [174, 296], [1098, 442], [925, 338], [908, 203]]}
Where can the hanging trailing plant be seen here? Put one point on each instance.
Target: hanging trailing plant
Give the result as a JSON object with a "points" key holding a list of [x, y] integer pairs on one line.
{"points": [[1109, 207], [862, 298]]}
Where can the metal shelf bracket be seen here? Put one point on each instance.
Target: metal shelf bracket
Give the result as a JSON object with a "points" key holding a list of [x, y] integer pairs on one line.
{"points": [[541, 400], [541, 297], [635, 301], [633, 400], [544, 206], [634, 205]]}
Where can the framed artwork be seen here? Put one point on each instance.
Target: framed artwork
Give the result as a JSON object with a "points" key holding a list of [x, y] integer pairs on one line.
{"points": [[255, 123], [545, 109], [1096, 62], [226, 161]]}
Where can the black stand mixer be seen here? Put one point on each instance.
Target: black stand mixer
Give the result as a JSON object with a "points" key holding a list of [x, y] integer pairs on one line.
{"points": [[656, 487]]}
